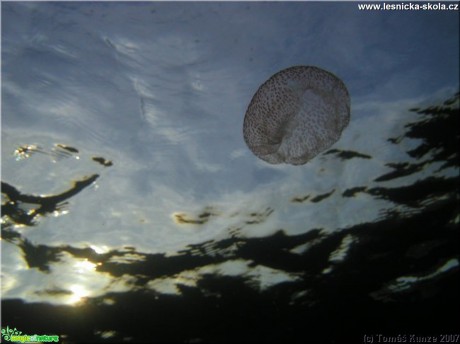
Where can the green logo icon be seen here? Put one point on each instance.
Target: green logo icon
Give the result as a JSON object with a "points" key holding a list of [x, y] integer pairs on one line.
{"points": [[15, 336]]}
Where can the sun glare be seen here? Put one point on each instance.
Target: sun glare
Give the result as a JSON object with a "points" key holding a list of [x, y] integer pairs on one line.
{"points": [[79, 292]]}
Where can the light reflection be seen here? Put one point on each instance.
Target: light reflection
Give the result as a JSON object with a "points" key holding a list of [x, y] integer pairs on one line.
{"points": [[259, 277], [79, 292], [24, 152], [100, 249], [7, 281], [106, 334], [84, 266], [406, 282], [57, 213], [340, 253]]}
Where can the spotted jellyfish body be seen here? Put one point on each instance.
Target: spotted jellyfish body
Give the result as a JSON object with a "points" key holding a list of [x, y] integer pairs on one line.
{"points": [[296, 114]]}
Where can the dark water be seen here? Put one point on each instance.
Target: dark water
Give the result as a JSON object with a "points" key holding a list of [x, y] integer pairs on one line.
{"points": [[395, 275]]}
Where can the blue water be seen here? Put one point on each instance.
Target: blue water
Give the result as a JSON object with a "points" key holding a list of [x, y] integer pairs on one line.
{"points": [[130, 197]]}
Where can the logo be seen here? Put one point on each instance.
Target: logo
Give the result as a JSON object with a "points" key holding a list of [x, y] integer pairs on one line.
{"points": [[15, 336]]}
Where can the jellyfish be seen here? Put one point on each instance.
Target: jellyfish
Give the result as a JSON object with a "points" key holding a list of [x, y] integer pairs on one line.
{"points": [[296, 114]]}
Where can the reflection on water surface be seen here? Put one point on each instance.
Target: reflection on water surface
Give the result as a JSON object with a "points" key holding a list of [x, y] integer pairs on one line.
{"points": [[133, 211], [405, 259]]}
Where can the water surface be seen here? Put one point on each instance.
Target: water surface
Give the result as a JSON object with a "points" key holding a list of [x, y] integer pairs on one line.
{"points": [[132, 209]]}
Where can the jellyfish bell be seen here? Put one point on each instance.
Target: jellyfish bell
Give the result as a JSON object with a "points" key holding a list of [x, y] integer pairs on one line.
{"points": [[296, 114]]}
